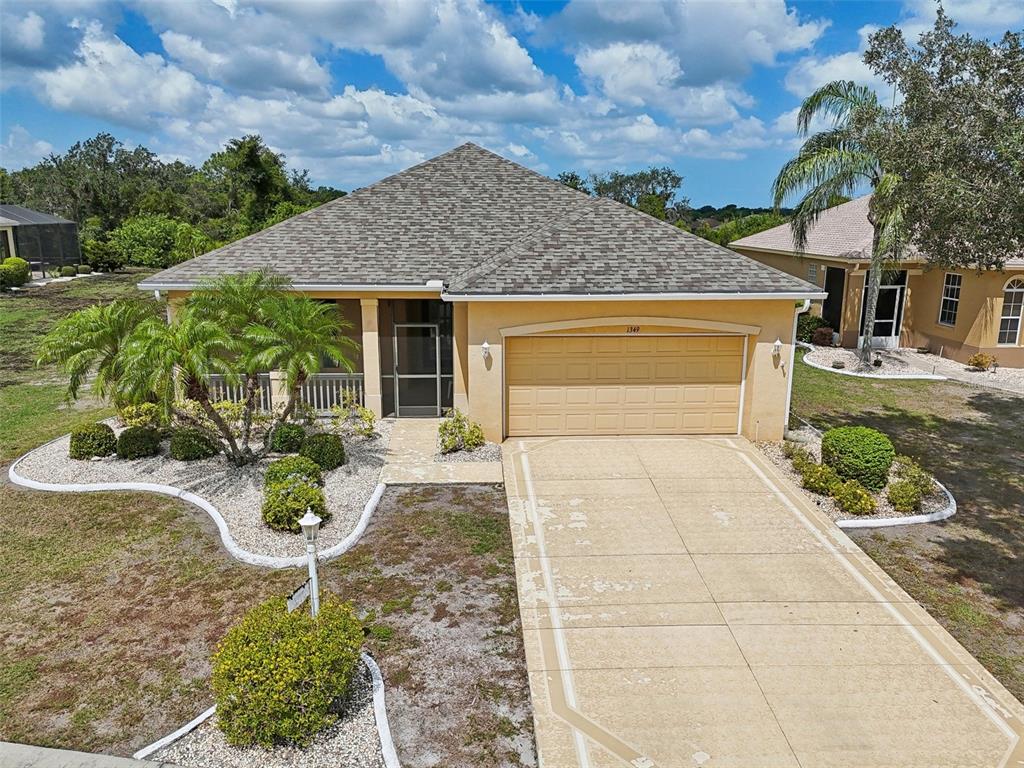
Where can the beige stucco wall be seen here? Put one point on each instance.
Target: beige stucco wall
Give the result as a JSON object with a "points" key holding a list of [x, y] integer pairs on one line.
{"points": [[767, 376], [977, 320]]}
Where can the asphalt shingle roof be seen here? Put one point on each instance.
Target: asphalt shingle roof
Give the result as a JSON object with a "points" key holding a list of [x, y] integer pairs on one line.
{"points": [[16, 216], [485, 225]]}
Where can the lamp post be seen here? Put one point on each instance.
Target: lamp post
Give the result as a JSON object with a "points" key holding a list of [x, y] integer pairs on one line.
{"points": [[310, 524]]}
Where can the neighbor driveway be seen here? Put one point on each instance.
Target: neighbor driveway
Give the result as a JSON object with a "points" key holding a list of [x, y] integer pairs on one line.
{"points": [[684, 605]]}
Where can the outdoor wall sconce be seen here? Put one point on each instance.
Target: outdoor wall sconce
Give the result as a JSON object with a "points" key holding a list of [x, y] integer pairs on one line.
{"points": [[485, 350], [777, 348]]}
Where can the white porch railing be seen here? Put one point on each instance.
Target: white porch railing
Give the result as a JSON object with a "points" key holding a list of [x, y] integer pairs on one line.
{"points": [[220, 389], [325, 390]]}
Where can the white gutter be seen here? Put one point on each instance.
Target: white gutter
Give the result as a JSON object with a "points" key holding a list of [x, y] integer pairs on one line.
{"points": [[792, 362], [797, 295]]}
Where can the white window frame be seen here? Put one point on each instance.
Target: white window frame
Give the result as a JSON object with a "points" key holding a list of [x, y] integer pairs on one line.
{"points": [[944, 297], [1016, 285], [812, 273]]}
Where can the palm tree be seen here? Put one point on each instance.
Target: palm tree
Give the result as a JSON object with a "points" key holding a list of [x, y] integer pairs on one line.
{"points": [[166, 360], [238, 302], [91, 342], [838, 162], [299, 334]]}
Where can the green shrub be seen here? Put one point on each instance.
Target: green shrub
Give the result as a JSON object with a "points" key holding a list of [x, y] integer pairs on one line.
{"points": [[910, 471], [90, 440], [191, 444], [853, 498], [807, 324], [820, 478], [285, 503], [457, 433], [904, 496], [325, 449], [84, 269], [8, 276], [287, 438], [19, 270], [799, 455], [141, 415], [276, 675], [68, 271], [102, 256], [293, 467], [859, 453], [138, 442], [354, 417]]}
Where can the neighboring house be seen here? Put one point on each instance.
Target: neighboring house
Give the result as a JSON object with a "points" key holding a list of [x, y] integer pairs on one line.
{"points": [[46, 242], [476, 283], [955, 312]]}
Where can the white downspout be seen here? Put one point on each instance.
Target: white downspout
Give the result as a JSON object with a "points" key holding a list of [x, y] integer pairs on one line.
{"points": [[792, 361]]}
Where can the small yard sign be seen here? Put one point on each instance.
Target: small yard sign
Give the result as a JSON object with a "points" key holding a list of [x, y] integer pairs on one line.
{"points": [[298, 597]]}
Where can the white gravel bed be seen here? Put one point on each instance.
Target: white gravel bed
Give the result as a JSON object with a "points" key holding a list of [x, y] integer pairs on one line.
{"points": [[892, 364], [237, 492], [1010, 379], [811, 441], [351, 742], [486, 452]]}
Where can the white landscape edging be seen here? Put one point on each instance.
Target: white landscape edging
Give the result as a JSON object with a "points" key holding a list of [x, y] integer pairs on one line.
{"points": [[380, 716], [843, 372], [230, 544], [888, 522]]}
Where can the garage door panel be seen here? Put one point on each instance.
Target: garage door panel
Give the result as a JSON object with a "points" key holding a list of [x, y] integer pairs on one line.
{"points": [[623, 385]]}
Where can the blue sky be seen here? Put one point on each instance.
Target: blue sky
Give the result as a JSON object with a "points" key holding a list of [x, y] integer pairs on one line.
{"points": [[354, 90]]}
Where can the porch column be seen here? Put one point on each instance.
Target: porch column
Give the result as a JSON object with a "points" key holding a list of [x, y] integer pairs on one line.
{"points": [[371, 357], [460, 350], [278, 389]]}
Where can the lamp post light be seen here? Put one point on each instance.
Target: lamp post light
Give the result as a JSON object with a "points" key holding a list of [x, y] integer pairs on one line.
{"points": [[310, 525]]}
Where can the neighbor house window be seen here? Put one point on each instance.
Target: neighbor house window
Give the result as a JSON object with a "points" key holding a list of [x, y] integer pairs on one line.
{"points": [[1013, 308], [812, 272], [950, 299]]}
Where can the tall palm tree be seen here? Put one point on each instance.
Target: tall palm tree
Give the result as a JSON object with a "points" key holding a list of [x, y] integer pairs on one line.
{"points": [[91, 342], [299, 334], [838, 162]]}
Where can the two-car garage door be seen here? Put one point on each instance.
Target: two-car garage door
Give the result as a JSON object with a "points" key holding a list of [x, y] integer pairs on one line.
{"points": [[620, 385]]}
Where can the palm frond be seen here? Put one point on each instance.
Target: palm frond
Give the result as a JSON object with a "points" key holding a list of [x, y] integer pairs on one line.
{"points": [[837, 100]]}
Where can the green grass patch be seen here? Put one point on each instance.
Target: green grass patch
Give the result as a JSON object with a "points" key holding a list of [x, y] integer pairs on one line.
{"points": [[33, 414]]}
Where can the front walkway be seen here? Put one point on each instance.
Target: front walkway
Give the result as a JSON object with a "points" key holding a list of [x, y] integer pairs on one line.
{"points": [[411, 458], [684, 605]]}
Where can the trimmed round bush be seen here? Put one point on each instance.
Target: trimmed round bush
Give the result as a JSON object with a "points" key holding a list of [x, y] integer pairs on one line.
{"points": [[285, 503], [90, 440], [16, 271], [68, 271], [84, 269], [904, 496], [859, 453], [822, 337], [288, 438], [191, 444], [325, 449], [807, 324], [293, 467], [853, 498], [819, 478], [138, 442], [276, 674]]}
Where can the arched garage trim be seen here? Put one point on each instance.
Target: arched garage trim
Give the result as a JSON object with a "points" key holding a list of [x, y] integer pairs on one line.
{"points": [[604, 321]]}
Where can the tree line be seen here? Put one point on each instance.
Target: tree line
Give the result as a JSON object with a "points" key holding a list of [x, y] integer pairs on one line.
{"points": [[655, 190], [133, 208]]}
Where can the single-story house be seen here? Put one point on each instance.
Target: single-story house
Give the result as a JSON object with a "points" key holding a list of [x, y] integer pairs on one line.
{"points": [[46, 242], [474, 282], [953, 312]]}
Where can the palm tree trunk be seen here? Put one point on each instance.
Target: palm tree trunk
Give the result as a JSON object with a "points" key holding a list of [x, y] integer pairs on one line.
{"points": [[252, 384], [289, 408], [237, 455], [871, 294]]}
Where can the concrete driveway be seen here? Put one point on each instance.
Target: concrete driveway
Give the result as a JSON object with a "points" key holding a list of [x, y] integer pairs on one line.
{"points": [[684, 605]]}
